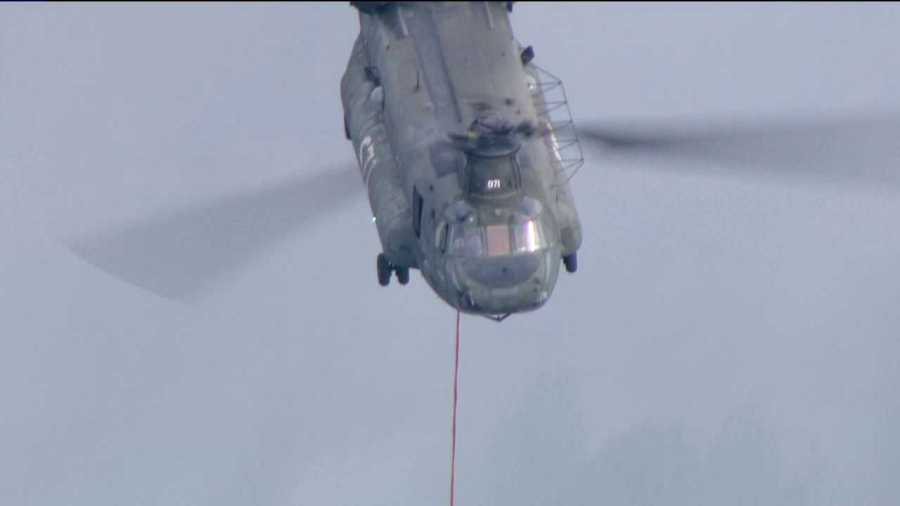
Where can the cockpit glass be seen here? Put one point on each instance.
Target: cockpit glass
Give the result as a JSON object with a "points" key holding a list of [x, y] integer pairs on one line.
{"points": [[528, 237], [466, 241], [497, 239]]}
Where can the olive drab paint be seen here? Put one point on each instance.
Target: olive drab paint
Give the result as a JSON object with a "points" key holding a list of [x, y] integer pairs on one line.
{"points": [[462, 164]]}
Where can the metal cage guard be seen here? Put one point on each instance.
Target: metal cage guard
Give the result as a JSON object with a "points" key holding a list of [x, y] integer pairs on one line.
{"points": [[552, 106]]}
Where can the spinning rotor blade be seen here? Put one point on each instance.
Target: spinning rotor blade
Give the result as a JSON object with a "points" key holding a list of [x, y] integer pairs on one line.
{"points": [[849, 149], [181, 254]]}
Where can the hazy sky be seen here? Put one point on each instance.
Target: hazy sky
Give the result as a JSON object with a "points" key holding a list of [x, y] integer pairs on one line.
{"points": [[727, 340]]}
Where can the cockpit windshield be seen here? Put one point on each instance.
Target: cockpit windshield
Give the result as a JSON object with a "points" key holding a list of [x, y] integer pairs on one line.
{"points": [[497, 239]]}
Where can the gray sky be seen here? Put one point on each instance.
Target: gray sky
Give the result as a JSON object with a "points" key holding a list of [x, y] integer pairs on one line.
{"points": [[727, 340]]}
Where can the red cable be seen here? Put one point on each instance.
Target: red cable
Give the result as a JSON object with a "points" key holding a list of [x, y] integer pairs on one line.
{"points": [[453, 427]]}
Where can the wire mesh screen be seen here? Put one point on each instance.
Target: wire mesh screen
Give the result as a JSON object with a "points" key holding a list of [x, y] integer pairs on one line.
{"points": [[552, 105]]}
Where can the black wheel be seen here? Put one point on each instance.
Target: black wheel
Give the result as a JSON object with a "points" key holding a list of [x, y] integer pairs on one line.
{"points": [[384, 270], [402, 275], [571, 262]]}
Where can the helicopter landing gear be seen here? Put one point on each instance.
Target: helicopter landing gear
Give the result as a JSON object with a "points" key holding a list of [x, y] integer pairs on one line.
{"points": [[571, 262], [385, 269], [402, 275]]}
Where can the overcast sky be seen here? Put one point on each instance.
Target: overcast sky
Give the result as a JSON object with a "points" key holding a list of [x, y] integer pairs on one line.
{"points": [[727, 339]]}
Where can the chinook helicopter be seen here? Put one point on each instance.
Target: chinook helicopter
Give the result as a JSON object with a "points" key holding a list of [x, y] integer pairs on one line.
{"points": [[466, 149], [466, 166]]}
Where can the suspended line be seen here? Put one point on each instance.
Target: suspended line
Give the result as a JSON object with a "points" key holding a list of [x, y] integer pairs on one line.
{"points": [[453, 425]]}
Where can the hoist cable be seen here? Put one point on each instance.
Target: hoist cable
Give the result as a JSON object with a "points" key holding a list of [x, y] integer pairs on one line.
{"points": [[453, 424]]}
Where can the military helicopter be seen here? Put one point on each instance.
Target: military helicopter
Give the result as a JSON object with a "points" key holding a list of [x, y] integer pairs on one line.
{"points": [[464, 164], [466, 149]]}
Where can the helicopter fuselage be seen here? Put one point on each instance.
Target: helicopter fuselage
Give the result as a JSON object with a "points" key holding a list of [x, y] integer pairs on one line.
{"points": [[446, 116]]}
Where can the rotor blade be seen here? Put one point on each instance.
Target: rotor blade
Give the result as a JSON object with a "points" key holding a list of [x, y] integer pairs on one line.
{"points": [[860, 148], [182, 254]]}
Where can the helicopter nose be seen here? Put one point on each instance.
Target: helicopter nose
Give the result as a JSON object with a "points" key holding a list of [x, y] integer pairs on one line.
{"points": [[507, 284], [503, 272]]}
